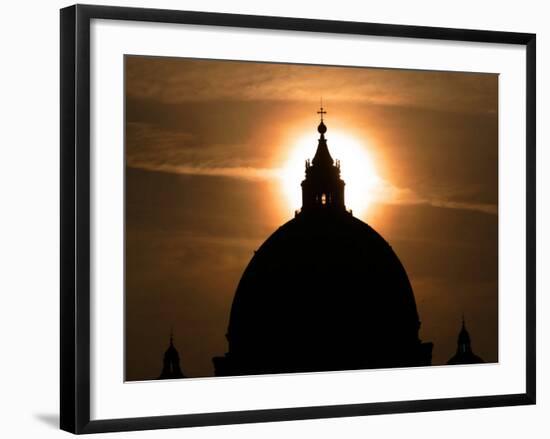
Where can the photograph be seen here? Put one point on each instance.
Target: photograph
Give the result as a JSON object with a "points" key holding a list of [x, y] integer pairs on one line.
{"points": [[293, 218]]}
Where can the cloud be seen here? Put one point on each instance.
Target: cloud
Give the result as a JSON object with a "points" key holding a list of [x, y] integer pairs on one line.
{"points": [[171, 80], [387, 193], [480, 207], [247, 173], [172, 150], [408, 196]]}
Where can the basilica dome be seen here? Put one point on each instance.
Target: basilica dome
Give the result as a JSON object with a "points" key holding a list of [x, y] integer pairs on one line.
{"points": [[324, 292]]}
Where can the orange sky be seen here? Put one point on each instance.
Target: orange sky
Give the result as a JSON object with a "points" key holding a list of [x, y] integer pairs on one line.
{"points": [[205, 145]]}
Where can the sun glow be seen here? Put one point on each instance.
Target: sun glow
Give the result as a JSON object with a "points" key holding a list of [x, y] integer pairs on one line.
{"points": [[363, 184]]}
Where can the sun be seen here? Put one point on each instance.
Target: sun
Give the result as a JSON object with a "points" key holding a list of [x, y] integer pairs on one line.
{"points": [[363, 184]]}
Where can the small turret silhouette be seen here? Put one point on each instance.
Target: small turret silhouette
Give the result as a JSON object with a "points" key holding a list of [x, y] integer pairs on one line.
{"points": [[464, 353], [171, 364]]}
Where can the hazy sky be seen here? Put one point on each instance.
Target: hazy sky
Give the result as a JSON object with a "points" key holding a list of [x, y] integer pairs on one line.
{"points": [[206, 146]]}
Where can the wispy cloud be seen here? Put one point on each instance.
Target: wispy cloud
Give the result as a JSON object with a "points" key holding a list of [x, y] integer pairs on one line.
{"points": [[387, 193], [181, 80], [171, 150], [404, 196], [479, 207], [247, 173]]}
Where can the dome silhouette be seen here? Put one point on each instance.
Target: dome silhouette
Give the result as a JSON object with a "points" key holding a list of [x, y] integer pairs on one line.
{"points": [[324, 292]]}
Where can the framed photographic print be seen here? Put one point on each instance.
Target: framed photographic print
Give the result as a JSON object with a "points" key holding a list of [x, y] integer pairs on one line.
{"points": [[267, 218]]}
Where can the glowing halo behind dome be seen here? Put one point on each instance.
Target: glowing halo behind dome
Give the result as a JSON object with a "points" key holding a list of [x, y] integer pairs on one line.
{"points": [[363, 185]]}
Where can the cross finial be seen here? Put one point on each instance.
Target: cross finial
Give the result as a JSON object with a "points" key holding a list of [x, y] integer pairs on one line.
{"points": [[321, 110]]}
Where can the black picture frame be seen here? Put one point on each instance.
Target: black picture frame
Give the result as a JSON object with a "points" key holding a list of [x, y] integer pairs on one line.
{"points": [[75, 217]]}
